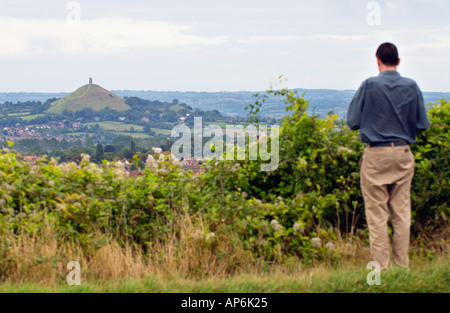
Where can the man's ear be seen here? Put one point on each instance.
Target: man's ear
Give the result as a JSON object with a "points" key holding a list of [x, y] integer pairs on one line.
{"points": [[398, 62]]}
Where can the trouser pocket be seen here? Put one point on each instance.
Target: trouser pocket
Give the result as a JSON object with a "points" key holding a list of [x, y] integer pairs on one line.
{"points": [[361, 160]]}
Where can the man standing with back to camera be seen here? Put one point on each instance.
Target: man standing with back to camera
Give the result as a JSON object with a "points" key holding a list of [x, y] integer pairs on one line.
{"points": [[389, 110]]}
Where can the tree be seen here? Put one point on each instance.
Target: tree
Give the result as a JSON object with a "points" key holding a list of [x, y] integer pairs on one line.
{"points": [[99, 154], [110, 148], [167, 145], [133, 147], [169, 116], [89, 141], [148, 130]]}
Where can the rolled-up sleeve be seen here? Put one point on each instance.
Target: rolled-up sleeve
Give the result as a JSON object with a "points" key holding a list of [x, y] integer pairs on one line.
{"points": [[423, 122], [355, 107]]}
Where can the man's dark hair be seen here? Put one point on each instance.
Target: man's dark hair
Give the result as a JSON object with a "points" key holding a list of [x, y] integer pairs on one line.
{"points": [[388, 54]]}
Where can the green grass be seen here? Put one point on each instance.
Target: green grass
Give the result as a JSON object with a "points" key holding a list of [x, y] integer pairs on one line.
{"points": [[161, 131], [18, 114], [118, 126], [423, 277], [176, 108], [30, 117]]}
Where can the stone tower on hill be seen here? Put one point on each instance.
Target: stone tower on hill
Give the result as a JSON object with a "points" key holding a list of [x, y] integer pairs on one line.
{"points": [[90, 80]]}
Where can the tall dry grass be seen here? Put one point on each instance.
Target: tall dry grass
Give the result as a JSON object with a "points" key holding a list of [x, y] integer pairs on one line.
{"points": [[190, 251]]}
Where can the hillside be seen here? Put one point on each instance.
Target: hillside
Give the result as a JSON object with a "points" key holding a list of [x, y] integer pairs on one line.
{"points": [[89, 96]]}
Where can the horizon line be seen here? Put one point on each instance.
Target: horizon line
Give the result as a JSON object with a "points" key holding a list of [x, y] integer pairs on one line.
{"points": [[195, 91]]}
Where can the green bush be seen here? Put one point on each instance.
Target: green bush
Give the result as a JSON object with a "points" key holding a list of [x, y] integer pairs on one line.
{"points": [[319, 163]]}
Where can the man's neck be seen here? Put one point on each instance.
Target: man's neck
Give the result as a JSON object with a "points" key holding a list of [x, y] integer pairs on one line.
{"points": [[385, 68]]}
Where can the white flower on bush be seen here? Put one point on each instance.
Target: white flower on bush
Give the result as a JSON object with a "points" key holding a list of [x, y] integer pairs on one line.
{"points": [[163, 171], [299, 228], [264, 243], [210, 237], [68, 168], [160, 166], [94, 169], [349, 248], [85, 158], [265, 227], [8, 188], [2, 203], [61, 206], [330, 246], [235, 168], [119, 173], [344, 150], [258, 202], [197, 235], [151, 162], [276, 225], [316, 242], [173, 160], [279, 200]]}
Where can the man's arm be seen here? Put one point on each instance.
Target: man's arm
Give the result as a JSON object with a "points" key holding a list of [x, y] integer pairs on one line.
{"points": [[355, 108], [423, 121]]}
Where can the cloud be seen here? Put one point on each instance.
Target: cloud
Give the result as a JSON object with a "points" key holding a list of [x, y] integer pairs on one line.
{"points": [[344, 37], [103, 36]]}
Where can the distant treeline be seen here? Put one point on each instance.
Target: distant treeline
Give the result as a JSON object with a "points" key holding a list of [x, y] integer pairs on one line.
{"points": [[233, 103]]}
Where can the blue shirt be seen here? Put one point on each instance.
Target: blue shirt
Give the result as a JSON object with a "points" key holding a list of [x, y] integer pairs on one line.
{"points": [[388, 107]]}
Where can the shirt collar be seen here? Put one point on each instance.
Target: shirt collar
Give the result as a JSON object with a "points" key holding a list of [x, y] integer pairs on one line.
{"points": [[389, 73]]}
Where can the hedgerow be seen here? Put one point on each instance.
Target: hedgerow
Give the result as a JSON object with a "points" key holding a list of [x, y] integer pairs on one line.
{"points": [[314, 193]]}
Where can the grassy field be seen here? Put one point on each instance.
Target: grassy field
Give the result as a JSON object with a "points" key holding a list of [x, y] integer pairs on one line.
{"points": [[30, 117], [161, 131], [176, 108], [117, 126], [18, 114], [424, 276]]}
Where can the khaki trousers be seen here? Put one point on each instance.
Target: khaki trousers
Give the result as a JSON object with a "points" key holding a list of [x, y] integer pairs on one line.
{"points": [[386, 174]]}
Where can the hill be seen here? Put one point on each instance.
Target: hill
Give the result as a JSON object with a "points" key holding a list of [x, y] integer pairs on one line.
{"points": [[89, 96]]}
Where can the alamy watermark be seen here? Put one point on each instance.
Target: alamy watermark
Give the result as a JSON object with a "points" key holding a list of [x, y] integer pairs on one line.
{"points": [[74, 14], [234, 146], [374, 277], [374, 16], [74, 277]]}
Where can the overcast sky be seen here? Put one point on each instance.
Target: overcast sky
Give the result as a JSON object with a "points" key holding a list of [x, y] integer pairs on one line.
{"points": [[227, 45]]}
